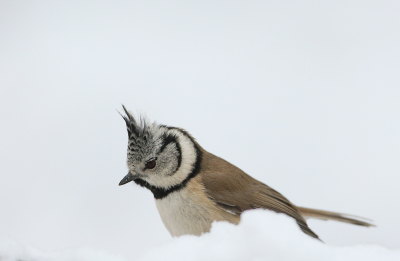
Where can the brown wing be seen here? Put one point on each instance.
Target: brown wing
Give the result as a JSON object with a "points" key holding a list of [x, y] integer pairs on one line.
{"points": [[235, 191]]}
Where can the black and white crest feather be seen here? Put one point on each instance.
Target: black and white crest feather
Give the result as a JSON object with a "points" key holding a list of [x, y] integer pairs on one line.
{"points": [[142, 135], [139, 133]]}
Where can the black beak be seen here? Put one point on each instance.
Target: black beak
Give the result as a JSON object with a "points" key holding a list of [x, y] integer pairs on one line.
{"points": [[128, 178]]}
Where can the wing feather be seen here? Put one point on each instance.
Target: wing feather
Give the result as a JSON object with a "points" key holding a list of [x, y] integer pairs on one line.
{"points": [[235, 191]]}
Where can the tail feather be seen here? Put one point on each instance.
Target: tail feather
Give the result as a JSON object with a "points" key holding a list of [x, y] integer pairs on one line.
{"points": [[327, 215]]}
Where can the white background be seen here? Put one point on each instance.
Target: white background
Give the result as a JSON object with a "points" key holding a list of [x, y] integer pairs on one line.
{"points": [[302, 96]]}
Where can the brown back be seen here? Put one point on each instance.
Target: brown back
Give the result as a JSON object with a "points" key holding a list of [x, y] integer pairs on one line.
{"points": [[235, 191]]}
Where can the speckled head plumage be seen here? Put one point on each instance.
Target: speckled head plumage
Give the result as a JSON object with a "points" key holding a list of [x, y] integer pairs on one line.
{"points": [[143, 136], [159, 157]]}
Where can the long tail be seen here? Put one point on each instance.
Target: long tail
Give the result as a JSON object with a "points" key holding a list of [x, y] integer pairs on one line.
{"points": [[326, 215]]}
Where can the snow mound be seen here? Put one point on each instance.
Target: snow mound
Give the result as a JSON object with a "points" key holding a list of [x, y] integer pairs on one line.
{"points": [[263, 235], [12, 251]]}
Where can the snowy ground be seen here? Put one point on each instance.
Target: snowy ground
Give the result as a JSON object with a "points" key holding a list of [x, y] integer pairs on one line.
{"points": [[262, 235], [10, 250]]}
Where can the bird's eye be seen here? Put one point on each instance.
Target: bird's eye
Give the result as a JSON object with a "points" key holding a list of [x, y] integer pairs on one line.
{"points": [[151, 164]]}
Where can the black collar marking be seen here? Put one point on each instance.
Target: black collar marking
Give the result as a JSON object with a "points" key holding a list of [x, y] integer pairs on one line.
{"points": [[160, 193]]}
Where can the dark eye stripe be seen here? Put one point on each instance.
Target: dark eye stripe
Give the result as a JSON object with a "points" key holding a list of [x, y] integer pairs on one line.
{"points": [[178, 147], [168, 139]]}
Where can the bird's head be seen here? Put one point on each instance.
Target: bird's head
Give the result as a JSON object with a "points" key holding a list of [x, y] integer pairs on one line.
{"points": [[159, 157]]}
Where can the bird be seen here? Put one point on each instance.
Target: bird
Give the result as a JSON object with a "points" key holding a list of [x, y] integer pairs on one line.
{"points": [[193, 188]]}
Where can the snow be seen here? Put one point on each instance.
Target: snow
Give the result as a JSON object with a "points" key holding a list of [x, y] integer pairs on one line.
{"points": [[10, 250], [261, 235]]}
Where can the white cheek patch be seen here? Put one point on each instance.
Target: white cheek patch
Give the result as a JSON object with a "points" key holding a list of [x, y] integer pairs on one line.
{"points": [[189, 157]]}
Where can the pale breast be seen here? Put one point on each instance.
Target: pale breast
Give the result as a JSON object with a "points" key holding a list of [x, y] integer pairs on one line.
{"points": [[189, 211]]}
